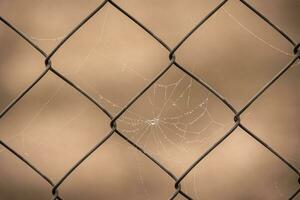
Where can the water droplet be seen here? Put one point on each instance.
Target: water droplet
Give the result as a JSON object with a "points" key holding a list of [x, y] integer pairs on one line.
{"points": [[153, 122]]}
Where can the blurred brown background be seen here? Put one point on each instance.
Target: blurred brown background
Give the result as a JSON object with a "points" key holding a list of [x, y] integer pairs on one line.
{"points": [[175, 121]]}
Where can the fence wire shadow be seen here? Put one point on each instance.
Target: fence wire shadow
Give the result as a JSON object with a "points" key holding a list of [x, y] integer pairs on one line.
{"points": [[49, 67]]}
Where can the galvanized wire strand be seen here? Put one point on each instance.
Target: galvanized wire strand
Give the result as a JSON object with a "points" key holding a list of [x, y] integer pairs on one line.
{"points": [[178, 189], [270, 149], [22, 35], [113, 122], [207, 86], [25, 91], [81, 160], [172, 60], [269, 22], [197, 79], [275, 153], [237, 119], [81, 91], [265, 87], [215, 145], [86, 19], [125, 108], [297, 50], [217, 94], [41, 174], [19, 97], [134, 99], [140, 25], [49, 67], [54, 190], [295, 194], [196, 27]]}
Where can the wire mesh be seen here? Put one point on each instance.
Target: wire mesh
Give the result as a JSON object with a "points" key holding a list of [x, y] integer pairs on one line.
{"points": [[49, 68]]}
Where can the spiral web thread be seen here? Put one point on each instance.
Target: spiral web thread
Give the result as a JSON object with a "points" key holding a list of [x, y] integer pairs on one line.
{"points": [[172, 63]]}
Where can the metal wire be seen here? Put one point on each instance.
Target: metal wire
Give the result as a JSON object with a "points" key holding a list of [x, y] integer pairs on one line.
{"points": [[172, 63]]}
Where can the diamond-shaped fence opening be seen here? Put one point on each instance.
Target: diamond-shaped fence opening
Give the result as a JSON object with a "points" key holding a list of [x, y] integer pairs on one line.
{"points": [[124, 114]]}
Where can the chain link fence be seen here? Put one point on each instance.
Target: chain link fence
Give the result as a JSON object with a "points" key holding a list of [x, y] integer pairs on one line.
{"points": [[49, 68]]}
